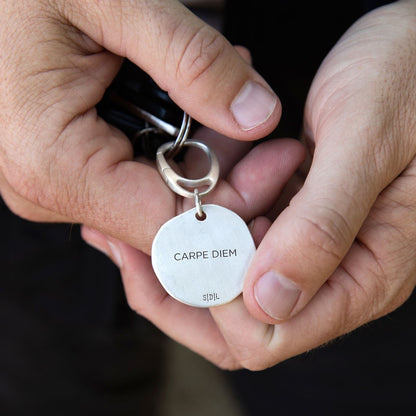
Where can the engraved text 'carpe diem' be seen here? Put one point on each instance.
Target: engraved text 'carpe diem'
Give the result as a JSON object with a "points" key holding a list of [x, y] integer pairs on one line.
{"points": [[205, 254]]}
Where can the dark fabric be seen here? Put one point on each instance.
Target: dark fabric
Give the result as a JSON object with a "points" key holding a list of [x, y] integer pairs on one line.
{"points": [[368, 372], [69, 344]]}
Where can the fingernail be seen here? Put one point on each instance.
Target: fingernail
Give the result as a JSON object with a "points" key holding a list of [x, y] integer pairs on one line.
{"points": [[115, 251], [276, 295], [253, 105]]}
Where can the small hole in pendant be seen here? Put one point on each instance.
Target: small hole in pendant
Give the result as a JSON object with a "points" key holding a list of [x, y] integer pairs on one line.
{"points": [[201, 217]]}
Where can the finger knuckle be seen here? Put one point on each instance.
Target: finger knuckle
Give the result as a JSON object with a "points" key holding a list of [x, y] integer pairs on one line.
{"points": [[324, 239], [392, 290], [136, 305], [199, 54], [22, 183], [146, 307], [225, 361], [253, 365], [361, 298], [349, 313], [253, 357], [258, 361], [41, 186], [15, 205]]}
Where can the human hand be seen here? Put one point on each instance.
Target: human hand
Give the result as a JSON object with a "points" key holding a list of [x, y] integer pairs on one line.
{"points": [[249, 185], [58, 161], [344, 252], [346, 243]]}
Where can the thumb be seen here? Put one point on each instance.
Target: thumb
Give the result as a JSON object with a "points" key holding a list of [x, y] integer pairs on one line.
{"points": [[310, 238], [198, 67]]}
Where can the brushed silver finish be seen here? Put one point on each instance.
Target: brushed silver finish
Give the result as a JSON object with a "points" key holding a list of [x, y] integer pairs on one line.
{"points": [[203, 262], [181, 185]]}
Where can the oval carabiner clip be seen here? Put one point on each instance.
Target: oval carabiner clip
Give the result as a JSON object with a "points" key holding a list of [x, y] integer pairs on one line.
{"points": [[183, 186]]}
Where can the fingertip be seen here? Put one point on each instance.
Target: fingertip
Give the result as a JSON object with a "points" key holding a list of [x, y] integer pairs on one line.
{"points": [[254, 105], [244, 53], [95, 239], [272, 298], [103, 243], [255, 310], [258, 228]]}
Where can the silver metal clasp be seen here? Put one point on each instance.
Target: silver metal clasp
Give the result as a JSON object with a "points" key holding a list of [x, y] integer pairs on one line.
{"points": [[184, 186]]}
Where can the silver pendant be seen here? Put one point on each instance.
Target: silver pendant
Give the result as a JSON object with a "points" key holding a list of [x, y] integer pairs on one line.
{"points": [[201, 256], [202, 262]]}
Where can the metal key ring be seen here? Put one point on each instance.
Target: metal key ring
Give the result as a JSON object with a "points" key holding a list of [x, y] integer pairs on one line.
{"points": [[178, 183], [181, 133], [182, 136]]}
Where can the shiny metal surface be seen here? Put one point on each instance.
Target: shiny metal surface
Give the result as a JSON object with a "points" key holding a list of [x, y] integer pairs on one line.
{"points": [[183, 186]]}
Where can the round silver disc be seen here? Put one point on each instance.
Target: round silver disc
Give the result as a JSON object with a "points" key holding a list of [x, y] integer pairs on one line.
{"points": [[203, 263]]}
